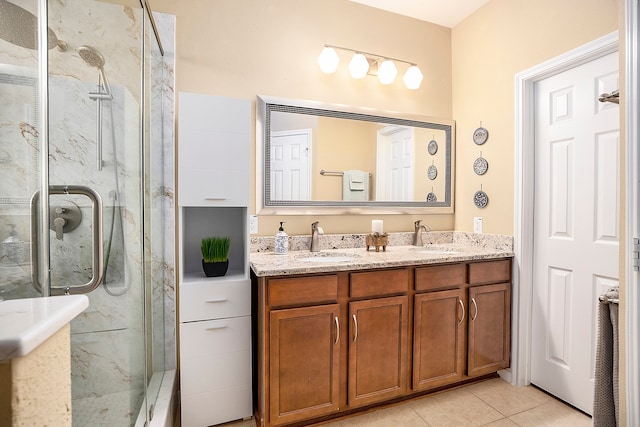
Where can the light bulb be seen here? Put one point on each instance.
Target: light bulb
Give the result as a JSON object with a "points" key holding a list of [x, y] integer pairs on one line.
{"points": [[358, 66], [413, 77], [328, 60], [387, 72]]}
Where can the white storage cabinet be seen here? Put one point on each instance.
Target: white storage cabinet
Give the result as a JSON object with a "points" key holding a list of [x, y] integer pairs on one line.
{"points": [[214, 135]]}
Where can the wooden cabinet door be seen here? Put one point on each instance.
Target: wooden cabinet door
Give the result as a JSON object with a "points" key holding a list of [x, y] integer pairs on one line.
{"points": [[377, 350], [304, 363], [489, 328], [438, 338]]}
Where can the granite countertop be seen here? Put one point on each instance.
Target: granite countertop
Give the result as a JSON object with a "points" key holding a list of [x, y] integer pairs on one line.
{"points": [[27, 323], [442, 248]]}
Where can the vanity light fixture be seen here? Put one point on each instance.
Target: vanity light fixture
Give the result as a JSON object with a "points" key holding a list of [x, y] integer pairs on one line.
{"points": [[387, 72], [363, 63], [359, 66], [328, 60]]}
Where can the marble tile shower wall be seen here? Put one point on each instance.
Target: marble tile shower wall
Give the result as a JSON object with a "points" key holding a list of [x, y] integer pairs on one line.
{"points": [[105, 363], [163, 194]]}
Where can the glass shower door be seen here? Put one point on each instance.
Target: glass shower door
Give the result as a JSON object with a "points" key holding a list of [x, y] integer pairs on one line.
{"points": [[90, 184], [95, 140], [20, 153]]}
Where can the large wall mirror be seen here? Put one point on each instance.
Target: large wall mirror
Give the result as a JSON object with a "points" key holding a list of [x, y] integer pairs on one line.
{"points": [[334, 159]]}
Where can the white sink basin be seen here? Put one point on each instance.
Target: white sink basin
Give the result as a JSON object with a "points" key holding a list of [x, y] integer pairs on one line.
{"points": [[326, 259], [436, 251]]}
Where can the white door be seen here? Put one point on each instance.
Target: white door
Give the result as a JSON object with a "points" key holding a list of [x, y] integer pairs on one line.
{"points": [[576, 224], [290, 165], [395, 164]]}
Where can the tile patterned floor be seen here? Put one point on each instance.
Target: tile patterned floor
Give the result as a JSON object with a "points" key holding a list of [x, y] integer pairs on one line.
{"points": [[494, 403]]}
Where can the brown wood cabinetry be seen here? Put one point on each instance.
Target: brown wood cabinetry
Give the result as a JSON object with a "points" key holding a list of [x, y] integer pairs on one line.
{"points": [[489, 328], [438, 338], [467, 326], [489, 335], [332, 343], [377, 350], [304, 363]]}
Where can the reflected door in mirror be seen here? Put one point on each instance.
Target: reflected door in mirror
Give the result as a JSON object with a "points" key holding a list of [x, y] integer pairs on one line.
{"points": [[290, 165]]}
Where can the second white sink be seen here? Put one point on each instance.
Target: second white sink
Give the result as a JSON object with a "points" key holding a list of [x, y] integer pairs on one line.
{"points": [[436, 251], [323, 257]]}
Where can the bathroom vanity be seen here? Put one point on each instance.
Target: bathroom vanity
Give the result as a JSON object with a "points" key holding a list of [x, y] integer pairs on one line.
{"points": [[340, 331]]}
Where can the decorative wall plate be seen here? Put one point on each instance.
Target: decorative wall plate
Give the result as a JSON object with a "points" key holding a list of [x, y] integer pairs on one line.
{"points": [[432, 172], [432, 147], [480, 199], [480, 135], [480, 166], [431, 197]]}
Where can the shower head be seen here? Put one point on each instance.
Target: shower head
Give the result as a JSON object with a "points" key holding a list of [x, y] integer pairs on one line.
{"points": [[94, 58], [18, 26], [91, 56]]}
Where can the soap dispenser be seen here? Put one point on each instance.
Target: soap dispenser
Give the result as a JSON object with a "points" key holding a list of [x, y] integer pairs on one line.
{"points": [[281, 246]]}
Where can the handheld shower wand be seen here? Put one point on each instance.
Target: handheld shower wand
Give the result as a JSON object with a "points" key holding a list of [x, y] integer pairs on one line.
{"points": [[92, 57]]}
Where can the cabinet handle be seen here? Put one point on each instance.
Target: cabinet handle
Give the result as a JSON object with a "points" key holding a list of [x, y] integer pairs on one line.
{"points": [[216, 300], [214, 328], [215, 198], [355, 324], [337, 329], [473, 300], [461, 305]]}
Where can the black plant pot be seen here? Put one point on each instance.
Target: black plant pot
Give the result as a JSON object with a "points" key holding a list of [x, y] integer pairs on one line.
{"points": [[215, 269]]}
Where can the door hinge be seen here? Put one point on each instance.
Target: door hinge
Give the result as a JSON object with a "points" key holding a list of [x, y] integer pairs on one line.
{"points": [[635, 254]]}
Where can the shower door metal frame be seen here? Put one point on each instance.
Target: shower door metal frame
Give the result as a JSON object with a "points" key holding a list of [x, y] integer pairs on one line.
{"points": [[43, 220]]}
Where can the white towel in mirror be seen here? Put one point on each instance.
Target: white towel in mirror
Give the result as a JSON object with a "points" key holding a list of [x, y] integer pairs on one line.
{"points": [[355, 185]]}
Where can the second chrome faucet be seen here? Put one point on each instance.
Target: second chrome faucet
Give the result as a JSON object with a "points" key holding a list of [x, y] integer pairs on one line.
{"points": [[417, 234], [316, 231]]}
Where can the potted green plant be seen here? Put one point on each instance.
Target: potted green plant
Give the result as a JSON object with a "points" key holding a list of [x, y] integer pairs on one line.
{"points": [[215, 252]]}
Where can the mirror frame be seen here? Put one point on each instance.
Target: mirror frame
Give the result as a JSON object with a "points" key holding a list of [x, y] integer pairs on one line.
{"points": [[265, 105]]}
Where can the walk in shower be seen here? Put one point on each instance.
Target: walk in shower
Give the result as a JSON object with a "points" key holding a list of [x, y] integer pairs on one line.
{"points": [[86, 189]]}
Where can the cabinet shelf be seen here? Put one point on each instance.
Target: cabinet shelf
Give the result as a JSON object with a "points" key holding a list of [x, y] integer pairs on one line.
{"points": [[190, 277]]}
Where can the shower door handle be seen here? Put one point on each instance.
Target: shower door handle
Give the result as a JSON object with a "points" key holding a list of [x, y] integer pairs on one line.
{"points": [[98, 263]]}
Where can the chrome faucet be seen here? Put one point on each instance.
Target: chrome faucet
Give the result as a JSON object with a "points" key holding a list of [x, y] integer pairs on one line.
{"points": [[316, 231], [417, 235]]}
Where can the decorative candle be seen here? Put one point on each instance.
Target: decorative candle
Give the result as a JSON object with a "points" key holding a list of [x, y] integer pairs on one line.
{"points": [[376, 226]]}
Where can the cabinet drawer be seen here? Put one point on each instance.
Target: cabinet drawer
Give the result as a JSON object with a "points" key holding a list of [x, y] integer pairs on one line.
{"points": [[379, 283], [490, 272], [201, 340], [215, 300], [302, 290], [442, 276]]}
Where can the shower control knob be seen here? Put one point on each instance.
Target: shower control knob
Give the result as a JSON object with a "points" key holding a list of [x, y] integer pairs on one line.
{"points": [[59, 226], [64, 218]]}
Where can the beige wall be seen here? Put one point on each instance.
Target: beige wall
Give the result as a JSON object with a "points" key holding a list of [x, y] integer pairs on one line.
{"points": [[243, 48], [502, 39]]}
